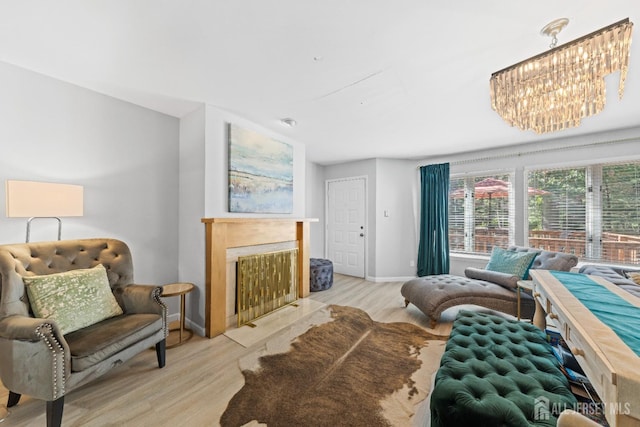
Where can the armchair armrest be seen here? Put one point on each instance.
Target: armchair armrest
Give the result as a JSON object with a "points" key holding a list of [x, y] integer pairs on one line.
{"points": [[26, 328], [38, 360], [505, 280], [141, 299]]}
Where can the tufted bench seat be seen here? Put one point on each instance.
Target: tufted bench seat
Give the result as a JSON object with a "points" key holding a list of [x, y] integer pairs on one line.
{"points": [[498, 372]]}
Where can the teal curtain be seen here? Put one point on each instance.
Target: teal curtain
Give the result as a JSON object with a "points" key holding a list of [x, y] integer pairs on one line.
{"points": [[433, 249]]}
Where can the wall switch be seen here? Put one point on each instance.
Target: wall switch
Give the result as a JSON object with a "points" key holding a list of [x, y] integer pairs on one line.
{"points": [[386, 213], [412, 263]]}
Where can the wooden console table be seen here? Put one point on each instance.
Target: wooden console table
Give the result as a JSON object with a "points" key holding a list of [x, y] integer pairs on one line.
{"points": [[609, 363]]}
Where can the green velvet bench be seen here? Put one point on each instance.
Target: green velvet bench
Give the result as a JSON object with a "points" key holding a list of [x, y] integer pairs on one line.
{"points": [[498, 372]]}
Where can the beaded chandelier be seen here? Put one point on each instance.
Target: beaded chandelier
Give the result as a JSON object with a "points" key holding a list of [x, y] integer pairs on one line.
{"points": [[556, 89]]}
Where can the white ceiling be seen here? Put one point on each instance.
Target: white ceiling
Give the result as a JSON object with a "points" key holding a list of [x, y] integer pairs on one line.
{"points": [[363, 78]]}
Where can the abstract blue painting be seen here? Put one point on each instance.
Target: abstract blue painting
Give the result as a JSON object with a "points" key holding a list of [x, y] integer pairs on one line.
{"points": [[260, 173]]}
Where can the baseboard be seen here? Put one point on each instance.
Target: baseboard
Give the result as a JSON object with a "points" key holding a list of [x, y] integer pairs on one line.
{"points": [[389, 279], [197, 329]]}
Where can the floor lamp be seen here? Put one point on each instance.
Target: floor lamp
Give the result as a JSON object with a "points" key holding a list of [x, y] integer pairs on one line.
{"points": [[38, 200]]}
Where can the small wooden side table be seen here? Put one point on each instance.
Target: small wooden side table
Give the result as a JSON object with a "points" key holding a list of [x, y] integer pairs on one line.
{"points": [[523, 285], [179, 289]]}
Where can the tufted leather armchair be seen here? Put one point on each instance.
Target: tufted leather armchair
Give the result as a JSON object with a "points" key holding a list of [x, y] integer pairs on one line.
{"points": [[35, 358]]}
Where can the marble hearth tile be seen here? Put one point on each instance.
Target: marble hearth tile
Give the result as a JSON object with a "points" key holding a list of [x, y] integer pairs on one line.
{"points": [[273, 322]]}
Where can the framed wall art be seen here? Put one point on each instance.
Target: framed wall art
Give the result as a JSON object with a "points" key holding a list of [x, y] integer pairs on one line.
{"points": [[260, 173]]}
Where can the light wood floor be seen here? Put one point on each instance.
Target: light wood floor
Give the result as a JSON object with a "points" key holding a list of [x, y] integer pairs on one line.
{"points": [[200, 376]]}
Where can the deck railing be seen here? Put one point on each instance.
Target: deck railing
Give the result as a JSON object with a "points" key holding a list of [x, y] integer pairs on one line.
{"points": [[616, 248]]}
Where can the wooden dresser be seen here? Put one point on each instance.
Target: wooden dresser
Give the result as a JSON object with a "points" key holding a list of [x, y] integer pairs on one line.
{"points": [[611, 366]]}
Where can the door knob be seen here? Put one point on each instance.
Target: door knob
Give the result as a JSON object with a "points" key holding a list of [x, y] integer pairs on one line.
{"points": [[361, 234]]}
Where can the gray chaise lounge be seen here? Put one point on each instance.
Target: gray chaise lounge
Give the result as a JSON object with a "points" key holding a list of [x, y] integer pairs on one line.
{"points": [[614, 274], [490, 289]]}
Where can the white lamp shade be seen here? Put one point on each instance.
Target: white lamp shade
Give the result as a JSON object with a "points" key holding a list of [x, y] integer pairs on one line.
{"points": [[27, 199]]}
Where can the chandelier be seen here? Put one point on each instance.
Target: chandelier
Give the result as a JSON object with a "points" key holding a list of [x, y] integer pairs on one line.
{"points": [[556, 89]]}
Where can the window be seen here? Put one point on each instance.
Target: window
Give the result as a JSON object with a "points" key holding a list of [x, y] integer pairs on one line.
{"points": [[480, 213], [620, 194], [557, 210], [592, 212]]}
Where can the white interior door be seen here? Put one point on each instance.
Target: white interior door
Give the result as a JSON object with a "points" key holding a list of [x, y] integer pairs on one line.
{"points": [[346, 234]]}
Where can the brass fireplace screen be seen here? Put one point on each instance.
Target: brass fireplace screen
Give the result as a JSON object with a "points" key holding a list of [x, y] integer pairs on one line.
{"points": [[265, 282]]}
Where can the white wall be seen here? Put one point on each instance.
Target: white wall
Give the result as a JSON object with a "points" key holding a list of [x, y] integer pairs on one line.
{"points": [[125, 157], [314, 207], [191, 209], [396, 242]]}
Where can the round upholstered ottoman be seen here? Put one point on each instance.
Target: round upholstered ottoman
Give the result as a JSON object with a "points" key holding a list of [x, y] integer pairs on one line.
{"points": [[320, 274]]}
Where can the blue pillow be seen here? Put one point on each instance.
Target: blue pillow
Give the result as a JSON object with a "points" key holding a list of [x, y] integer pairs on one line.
{"points": [[511, 262]]}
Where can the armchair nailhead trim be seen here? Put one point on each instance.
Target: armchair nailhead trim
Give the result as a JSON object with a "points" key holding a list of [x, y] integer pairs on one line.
{"points": [[45, 332], [156, 297]]}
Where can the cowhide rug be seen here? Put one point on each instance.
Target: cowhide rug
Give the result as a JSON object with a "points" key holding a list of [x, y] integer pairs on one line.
{"points": [[349, 371]]}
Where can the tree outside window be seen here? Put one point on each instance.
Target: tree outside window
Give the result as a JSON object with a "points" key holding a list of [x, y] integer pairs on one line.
{"points": [[480, 213], [592, 212]]}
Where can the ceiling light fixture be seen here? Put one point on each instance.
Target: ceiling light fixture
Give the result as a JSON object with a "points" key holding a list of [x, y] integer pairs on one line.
{"points": [[288, 122], [556, 89]]}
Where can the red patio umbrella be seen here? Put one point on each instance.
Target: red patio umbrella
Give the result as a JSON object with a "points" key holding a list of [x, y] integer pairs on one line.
{"points": [[493, 187], [489, 188]]}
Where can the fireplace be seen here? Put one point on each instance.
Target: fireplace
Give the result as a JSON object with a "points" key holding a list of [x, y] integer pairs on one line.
{"points": [[264, 283], [227, 239]]}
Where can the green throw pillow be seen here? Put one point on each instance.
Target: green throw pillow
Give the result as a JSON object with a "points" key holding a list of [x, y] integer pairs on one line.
{"points": [[511, 262], [74, 299]]}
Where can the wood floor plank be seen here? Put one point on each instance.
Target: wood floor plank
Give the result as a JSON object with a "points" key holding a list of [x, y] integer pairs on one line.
{"points": [[200, 376]]}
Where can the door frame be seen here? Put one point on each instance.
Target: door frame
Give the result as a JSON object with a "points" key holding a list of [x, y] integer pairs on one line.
{"points": [[365, 180]]}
